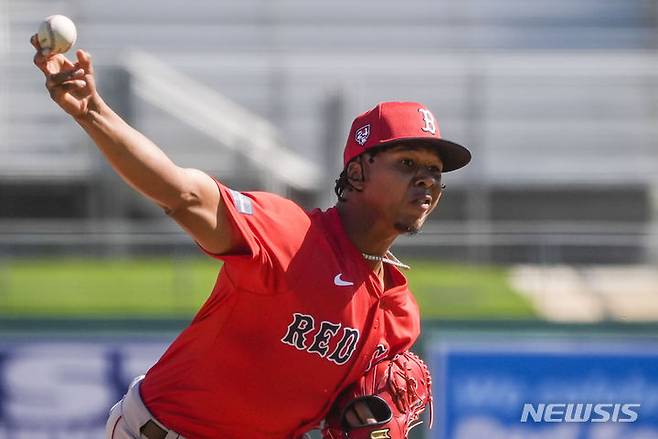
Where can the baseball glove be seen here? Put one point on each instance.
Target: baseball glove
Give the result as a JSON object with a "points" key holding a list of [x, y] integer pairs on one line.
{"points": [[396, 392]]}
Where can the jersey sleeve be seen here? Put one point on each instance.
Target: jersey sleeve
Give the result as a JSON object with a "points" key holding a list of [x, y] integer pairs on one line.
{"points": [[274, 229]]}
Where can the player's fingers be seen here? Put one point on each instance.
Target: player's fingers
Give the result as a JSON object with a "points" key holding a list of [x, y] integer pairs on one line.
{"points": [[51, 64], [44, 51], [352, 419], [364, 413], [66, 62], [62, 76], [76, 84], [34, 39], [40, 60], [48, 63], [360, 414], [58, 91], [84, 61]]}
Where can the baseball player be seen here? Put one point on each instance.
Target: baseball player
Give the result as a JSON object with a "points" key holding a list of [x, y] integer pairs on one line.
{"points": [[305, 303]]}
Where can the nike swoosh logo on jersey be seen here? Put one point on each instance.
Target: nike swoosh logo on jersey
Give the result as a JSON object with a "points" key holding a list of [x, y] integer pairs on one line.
{"points": [[340, 282]]}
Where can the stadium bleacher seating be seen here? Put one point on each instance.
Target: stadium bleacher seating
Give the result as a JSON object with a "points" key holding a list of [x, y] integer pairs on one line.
{"points": [[548, 93]]}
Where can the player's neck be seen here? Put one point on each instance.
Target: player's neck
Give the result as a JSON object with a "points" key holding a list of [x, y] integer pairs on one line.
{"points": [[364, 231]]}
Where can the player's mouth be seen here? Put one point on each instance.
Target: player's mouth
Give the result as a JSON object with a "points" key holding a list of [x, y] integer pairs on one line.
{"points": [[423, 202]]}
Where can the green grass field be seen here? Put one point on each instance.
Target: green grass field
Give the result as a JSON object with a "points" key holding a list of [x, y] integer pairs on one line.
{"points": [[176, 288]]}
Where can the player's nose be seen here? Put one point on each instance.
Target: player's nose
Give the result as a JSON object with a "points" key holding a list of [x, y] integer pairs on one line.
{"points": [[426, 178]]}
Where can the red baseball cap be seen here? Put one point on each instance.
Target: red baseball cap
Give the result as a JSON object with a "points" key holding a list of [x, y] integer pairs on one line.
{"points": [[400, 122]]}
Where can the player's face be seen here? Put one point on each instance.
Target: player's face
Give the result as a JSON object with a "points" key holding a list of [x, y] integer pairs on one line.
{"points": [[403, 185]]}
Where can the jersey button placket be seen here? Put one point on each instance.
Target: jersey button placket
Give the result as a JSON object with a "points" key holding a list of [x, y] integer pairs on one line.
{"points": [[378, 314]]}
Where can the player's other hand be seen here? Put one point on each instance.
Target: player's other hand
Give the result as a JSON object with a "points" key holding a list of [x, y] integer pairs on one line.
{"points": [[71, 86], [359, 415]]}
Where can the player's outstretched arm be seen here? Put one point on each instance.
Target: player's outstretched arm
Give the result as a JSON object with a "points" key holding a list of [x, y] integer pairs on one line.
{"points": [[189, 196]]}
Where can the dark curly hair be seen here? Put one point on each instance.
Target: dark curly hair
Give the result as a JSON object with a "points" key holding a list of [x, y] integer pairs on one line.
{"points": [[343, 182]]}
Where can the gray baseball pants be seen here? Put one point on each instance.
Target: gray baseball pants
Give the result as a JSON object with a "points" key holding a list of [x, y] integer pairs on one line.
{"points": [[130, 419]]}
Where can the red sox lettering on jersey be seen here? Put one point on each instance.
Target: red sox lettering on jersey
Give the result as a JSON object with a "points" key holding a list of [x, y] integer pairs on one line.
{"points": [[303, 324], [378, 355]]}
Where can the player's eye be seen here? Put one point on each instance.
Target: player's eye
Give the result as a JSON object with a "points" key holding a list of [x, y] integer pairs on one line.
{"points": [[409, 163]]}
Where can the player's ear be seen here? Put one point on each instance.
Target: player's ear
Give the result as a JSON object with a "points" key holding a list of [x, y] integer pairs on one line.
{"points": [[355, 174]]}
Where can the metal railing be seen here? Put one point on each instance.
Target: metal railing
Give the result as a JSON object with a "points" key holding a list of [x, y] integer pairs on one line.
{"points": [[232, 126], [481, 242]]}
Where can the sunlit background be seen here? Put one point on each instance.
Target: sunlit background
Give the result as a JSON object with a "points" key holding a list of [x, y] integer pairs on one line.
{"points": [[537, 276]]}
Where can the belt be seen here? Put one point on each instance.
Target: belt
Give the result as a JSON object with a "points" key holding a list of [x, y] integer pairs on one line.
{"points": [[151, 430]]}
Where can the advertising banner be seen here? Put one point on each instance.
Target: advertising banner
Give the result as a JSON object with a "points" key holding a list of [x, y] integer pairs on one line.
{"points": [[57, 389], [544, 389]]}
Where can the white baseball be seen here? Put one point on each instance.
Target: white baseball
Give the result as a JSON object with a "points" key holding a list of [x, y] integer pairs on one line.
{"points": [[57, 34]]}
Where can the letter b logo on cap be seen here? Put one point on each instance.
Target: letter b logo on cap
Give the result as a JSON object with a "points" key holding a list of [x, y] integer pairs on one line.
{"points": [[428, 118]]}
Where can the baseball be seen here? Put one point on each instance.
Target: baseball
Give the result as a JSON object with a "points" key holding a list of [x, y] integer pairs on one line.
{"points": [[57, 34]]}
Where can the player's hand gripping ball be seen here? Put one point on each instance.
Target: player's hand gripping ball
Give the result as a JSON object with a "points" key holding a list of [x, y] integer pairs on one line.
{"points": [[57, 34], [396, 392]]}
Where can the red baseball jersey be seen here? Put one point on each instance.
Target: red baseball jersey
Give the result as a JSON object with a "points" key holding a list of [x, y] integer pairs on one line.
{"points": [[286, 328]]}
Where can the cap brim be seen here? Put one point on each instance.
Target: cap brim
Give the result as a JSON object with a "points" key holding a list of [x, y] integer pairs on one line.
{"points": [[453, 155]]}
